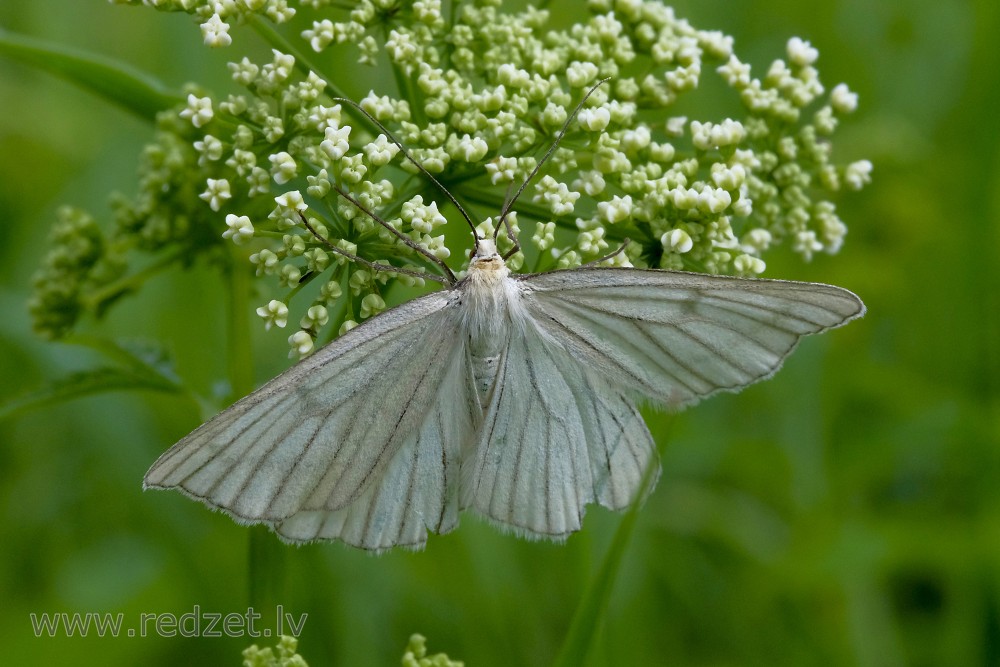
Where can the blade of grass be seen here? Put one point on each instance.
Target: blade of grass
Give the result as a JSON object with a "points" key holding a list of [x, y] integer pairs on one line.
{"points": [[117, 82], [239, 352], [265, 554], [594, 604]]}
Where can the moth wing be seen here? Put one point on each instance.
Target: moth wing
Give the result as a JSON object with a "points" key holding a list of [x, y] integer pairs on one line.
{"points": [[676, 337], [562, 429], [417, 491], [555, 437], [359, 441]]}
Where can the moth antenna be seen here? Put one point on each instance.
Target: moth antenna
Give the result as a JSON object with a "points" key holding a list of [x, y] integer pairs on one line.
{"points": [[406, 154], [534, 172], [506, 202], [398, 234], [620, 250], [371, 265], [503, 222]]}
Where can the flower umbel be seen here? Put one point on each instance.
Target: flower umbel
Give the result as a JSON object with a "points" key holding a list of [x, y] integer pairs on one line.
{"points": [[416, 655], [482, 91], [283, 655]]}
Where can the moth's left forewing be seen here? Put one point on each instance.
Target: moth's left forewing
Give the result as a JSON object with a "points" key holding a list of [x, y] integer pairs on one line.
{"points": [[677, 337]]}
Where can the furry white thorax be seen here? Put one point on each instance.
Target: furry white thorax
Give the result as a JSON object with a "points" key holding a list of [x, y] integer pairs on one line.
{"points": [[493, 307]]}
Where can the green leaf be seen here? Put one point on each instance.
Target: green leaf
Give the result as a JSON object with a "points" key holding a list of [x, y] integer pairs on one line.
{"points": [[115, 81], [132, 367], [84, 383], [146, 359]]}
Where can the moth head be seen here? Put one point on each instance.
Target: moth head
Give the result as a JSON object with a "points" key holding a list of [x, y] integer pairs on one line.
{"points": [[485, 256]]}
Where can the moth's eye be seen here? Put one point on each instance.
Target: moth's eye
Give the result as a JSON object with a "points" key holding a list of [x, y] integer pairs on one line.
{"points": [[472, 252]]}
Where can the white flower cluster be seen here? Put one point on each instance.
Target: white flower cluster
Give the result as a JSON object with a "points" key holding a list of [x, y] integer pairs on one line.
{"points": [[485, 90], [218, 16]]}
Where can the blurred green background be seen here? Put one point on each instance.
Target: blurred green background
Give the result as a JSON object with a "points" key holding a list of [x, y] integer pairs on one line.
{"points": [[845, 513]]}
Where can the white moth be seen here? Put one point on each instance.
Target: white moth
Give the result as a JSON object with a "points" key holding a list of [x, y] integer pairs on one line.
{"points": [[511, 395]]}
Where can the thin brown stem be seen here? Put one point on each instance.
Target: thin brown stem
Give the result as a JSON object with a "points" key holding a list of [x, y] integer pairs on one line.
{"points": [[548, 154], [414, 162], [364, 262], [620, 250], [406, 240]]}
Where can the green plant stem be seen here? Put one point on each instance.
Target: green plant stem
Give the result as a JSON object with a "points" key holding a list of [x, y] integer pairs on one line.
{"points": [[240, 350], [339, 314], [302, 62], [266, 565], [594, 604], [265, 554], [113, 290], [115, 81]]}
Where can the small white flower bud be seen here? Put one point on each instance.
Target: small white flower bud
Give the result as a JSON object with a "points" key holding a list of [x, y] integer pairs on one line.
{"points": [[316, 317], [747, 264], [545, 235], [616, 210], [801, 52], [502, 170], [289, 276], [301, 343], [283, 167], [331, 291], [580, 74], [842, 99], [677, 240], [594, 119], [757, 239], [198, 111], [217, 194], [265, 261], [320, 36], [336, 144], [372, 304], [240, 229], [275, 313], [291, 201], [215, 32], [381, 151], [858, 174]]}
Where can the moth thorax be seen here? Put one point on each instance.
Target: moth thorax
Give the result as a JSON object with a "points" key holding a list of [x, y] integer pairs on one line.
{"points": [[492, 296]]}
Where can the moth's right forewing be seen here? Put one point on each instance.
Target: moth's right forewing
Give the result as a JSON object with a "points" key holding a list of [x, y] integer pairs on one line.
{"points": [[418, 489], [318, 436], [677, 337]]}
